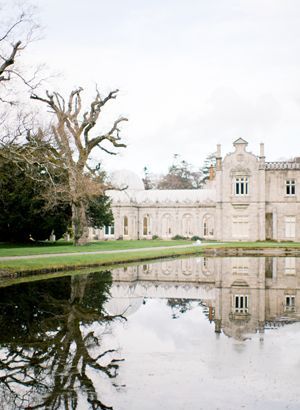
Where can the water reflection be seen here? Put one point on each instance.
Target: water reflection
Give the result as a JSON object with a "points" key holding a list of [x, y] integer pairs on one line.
{"points": [[243, 295], [55, 335], [49, 346]]}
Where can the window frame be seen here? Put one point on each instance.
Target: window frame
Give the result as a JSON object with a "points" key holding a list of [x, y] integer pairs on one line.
{"points": [[290, 187], [109, 230], [290, 303], [241, 185], [240, 303]]}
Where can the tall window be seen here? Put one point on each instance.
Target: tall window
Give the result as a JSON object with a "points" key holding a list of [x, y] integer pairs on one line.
{"points": [[290, 187], [125, 225], [109, 230], [187, 225], [205, 227], [208, 225], [240, 303], [166, 225], [146, 225], [241, 186]]}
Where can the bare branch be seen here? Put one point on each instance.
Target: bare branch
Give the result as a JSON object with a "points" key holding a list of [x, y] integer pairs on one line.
{"points": [[9, 61], [11, 28], [109, 137]]}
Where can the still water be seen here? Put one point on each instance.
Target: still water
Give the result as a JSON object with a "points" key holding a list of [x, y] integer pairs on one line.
{"points": [[198, 333]]}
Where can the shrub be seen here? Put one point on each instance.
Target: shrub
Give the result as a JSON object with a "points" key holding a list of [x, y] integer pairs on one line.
{"points": [[178, 237], [196, 238]]}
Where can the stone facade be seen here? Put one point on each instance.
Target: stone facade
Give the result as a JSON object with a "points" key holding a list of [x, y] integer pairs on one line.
{"points": [[247, 199]]}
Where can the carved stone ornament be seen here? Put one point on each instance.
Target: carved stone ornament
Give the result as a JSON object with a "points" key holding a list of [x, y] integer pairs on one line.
{"points": [[240, 171]]}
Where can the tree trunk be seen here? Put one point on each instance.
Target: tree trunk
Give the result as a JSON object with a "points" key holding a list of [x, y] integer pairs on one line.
{"points": [[79, 223]]}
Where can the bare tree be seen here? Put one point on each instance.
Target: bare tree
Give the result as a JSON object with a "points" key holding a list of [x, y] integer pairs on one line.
{"points": [[74, 139], [15, 35]]}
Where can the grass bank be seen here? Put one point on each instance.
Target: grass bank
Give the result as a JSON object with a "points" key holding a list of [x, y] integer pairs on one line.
{"points": [[75, 261]]}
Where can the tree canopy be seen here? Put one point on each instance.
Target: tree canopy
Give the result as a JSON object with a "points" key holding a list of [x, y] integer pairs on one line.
{"points": [[181, 175], [24, 214]]}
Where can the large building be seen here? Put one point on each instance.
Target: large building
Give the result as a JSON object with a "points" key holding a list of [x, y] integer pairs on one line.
{"points": [[245, 199]]}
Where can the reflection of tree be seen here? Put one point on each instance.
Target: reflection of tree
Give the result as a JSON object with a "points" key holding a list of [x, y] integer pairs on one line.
{"points": [[179, 306], [49, 350]]}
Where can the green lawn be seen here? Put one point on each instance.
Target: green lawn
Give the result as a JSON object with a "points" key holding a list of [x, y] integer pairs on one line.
{"points": [[64, 247], [67, 247], [75, 261]]}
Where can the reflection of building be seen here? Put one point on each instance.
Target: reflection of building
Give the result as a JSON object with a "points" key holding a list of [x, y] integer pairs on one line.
{"points": [[246, 198], [246, 294]]}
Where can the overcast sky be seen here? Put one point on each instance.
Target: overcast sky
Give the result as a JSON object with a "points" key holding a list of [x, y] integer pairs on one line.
{"points": [[191, 73]]}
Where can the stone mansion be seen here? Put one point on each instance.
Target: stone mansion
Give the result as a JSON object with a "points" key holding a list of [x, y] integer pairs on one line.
{"points": [[245, 199]]}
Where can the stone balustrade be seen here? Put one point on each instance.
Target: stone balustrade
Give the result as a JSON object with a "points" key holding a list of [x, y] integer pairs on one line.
{"points": [[282, 165]]}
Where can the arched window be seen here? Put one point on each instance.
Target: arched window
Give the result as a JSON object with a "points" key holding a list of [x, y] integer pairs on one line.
{"points": [[187, 225], [166, 226], [208, 226], [146, 225], [125, 226], [205, 227]]}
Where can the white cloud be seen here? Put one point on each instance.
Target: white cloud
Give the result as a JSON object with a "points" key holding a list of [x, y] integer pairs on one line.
{"points": [[191, 74]]}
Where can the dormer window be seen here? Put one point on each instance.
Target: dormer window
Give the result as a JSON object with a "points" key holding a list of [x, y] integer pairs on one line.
{"points": [[290, 187], [241, 186]]}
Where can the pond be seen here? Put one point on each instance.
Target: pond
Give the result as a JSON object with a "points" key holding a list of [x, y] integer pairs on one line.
{"points": [[192, 333]]}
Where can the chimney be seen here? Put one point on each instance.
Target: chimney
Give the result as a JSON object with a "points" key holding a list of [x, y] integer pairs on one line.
{"points": [[219, 158], [262, 150], [211, 172]]}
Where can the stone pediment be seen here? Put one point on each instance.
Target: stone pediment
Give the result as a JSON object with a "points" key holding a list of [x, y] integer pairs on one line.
{"points": [[240, 141]]}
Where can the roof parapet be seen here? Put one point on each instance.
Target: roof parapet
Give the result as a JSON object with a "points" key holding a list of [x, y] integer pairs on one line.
{"points": [[282, 165]]}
